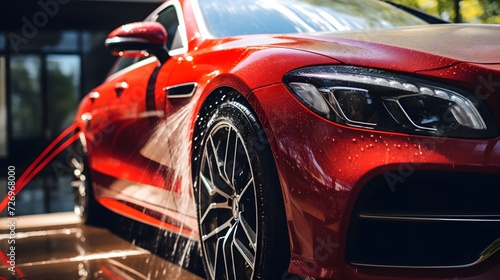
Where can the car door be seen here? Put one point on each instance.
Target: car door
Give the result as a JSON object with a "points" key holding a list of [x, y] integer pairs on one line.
{"points": [[141, 115], [117, 111], [132, 118]]}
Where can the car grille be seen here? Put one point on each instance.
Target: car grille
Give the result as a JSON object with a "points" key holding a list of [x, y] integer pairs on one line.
{"points": [[427, 220]]}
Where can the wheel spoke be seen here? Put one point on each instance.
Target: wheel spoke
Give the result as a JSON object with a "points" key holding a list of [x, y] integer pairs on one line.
{"points": [[217, 229], [242, 257], [208, 185], [245, 253], [212, 189], [228, 260], [217, 160], [211, 206], [246, 187], [249, 232], [209, 164], [213, 267]]}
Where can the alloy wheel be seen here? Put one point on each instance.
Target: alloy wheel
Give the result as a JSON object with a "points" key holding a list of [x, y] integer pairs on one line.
{"points": [[227, 205]]}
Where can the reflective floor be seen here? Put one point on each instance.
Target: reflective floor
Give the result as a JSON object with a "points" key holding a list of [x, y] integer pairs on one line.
{"points": [[55, 246]]}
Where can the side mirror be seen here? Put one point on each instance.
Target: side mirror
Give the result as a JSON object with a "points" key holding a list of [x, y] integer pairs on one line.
{"points": [[139, 39]]}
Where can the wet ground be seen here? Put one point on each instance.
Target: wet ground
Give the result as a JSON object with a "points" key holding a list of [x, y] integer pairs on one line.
{"points": [[56, 246]]}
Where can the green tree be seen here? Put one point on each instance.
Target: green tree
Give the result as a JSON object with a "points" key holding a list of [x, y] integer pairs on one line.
{"points": [[491, 11], [478, 11], [456, 8], [63, 97], [26, 109]]}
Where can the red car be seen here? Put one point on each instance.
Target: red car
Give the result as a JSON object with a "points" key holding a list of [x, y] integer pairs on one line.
{"points": [[302, 139]]}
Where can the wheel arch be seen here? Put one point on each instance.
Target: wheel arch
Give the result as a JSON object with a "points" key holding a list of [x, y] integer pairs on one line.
{"points": [[208, 106], [217, 100]]}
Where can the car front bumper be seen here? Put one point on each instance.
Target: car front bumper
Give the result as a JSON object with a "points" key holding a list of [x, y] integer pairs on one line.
{"points": [[371, 204]]}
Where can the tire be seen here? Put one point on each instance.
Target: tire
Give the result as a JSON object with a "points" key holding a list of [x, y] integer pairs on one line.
{"points": [[86, 206], [241, 219]]}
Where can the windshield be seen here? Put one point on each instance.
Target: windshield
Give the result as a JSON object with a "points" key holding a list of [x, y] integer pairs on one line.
{"points": [[225, 18]]}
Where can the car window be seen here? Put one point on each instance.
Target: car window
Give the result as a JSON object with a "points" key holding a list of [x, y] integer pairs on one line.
{"points": [[122, 63], [241, 17], [168, 18]]}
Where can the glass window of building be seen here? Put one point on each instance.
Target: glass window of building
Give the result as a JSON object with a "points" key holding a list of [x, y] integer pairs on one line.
{"points": [[26, 97], [2, 42], [63, 90], [52, 41]]}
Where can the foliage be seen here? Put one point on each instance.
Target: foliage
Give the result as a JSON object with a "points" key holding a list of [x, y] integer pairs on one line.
{"points": [[27, 107], [63, 97], [26, 98], [472, 11]]}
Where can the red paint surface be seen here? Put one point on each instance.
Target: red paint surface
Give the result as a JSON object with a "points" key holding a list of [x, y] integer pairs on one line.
{"points": [[151, 32]]}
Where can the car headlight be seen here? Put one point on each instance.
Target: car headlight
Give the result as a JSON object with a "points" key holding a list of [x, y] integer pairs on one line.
{"points": [[376, 99]]}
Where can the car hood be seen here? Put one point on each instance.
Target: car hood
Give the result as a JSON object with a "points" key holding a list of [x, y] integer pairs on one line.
{"points": [[463, 42], [409, 49]]}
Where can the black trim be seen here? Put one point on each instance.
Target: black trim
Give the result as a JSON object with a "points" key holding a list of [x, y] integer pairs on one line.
{"points": [[181, 91], [427, 220], [150, 93]]}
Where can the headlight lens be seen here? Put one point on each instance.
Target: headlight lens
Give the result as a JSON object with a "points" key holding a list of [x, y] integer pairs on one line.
{"points": [[375, 99]]}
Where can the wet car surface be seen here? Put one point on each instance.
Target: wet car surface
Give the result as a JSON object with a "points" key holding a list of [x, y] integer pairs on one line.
{"points": [[56, 246]]}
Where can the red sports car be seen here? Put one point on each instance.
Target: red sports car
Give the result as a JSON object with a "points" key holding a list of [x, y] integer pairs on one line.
{"points": [[299, 139]]}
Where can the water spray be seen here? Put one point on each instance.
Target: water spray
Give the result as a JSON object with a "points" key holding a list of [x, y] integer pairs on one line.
{"points": [[55, 148]]}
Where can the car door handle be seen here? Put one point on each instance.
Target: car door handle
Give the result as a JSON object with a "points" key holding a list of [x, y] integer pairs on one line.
{"points": [[120, 87]]}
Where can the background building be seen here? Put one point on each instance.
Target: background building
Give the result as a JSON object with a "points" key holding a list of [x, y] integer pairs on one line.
{"points": [[51, 54]]}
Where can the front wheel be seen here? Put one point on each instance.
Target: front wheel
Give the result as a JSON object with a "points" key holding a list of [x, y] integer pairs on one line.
{"points": [[239, 201]]}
